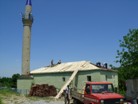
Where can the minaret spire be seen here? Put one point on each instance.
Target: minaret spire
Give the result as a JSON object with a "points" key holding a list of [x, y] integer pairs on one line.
{"points": [[28, 2], [27, 20]]}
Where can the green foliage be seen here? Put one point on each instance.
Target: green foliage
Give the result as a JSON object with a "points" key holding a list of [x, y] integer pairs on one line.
{"points": [[128, 58], [6, 92], [122, 92], [9, 82], [5, 82], [14, 80], [0, 100]]}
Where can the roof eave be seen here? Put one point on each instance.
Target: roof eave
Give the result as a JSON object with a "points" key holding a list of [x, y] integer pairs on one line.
{"points": [[72, 71]]}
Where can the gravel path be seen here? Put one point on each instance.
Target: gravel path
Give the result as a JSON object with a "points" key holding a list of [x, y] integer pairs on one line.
{"points": [[44, 102]]}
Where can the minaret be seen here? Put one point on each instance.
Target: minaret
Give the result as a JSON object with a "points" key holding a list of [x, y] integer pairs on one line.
{"points": [[27, 20]]}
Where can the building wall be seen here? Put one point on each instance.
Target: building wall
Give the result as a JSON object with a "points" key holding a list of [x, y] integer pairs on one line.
{"points": [[24, 85], [109, 76], [56, 79], [59, 79], [82, 77], [94, 75]]}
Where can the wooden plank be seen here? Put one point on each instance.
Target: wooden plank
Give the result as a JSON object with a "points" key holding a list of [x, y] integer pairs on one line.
{"points": [[67, 83]]}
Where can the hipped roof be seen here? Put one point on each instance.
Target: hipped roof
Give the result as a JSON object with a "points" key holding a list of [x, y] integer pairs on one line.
{"points": [[67, 67]]}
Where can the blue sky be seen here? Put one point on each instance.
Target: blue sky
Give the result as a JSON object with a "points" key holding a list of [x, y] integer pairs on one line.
{"points": [[67, 30]]}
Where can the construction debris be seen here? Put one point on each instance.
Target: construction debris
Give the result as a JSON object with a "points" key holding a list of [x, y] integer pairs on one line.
{"points": [[43, 90]]}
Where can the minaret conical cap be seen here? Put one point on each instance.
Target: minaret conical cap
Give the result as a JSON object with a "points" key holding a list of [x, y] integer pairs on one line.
{"points": [[28, 2]]}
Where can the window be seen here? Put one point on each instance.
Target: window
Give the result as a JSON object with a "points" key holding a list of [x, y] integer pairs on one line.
{"points": [[100, 88], [89, 78], [106, 77], [64, 79]]}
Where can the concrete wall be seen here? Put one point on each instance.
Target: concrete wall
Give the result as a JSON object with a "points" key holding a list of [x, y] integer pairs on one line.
{"points": [[96, 75], [56, 79], [59, 79], [81, 78], [24, 85], [109, 76]]}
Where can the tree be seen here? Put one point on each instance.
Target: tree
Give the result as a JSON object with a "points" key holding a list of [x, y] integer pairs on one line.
{"points": [[5, 82], [129, 54], [9, 82], [128, 57], [14, 79]]}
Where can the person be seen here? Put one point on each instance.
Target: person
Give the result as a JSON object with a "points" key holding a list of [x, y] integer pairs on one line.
{"points": [[67, 95], [88, 89], [52, 62], [59, 62]]}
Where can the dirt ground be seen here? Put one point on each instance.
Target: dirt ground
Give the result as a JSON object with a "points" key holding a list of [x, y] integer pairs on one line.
{"points": [[30, 100]]}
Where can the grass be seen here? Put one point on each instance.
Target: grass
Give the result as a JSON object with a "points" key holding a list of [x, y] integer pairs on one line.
{"points": [[7, 95], [4, 93], [0, 100]]}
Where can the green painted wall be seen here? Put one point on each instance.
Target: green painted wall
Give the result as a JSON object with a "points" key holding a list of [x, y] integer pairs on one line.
{"points": [[81, 78], [59, 79], [24, 85], [56, 79], [109, 76]]}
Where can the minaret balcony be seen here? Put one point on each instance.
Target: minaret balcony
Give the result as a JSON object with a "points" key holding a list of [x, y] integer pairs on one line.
{"points": [[27, 20]]}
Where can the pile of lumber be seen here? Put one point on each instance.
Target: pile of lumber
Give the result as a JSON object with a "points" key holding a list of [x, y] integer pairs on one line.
{"points": [[43, 90]]}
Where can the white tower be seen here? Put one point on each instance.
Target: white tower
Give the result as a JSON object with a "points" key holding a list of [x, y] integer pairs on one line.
{"points": [[27, 20]]}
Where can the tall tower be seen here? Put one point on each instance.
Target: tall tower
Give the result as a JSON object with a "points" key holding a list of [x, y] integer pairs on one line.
{"points": [[27, 20]]}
